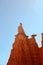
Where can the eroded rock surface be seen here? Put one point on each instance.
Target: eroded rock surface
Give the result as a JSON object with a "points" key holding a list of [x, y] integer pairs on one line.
{"points": [[25, 51]]}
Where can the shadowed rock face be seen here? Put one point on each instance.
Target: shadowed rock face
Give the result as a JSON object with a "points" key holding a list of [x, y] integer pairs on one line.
{"points": [[25, 51]]}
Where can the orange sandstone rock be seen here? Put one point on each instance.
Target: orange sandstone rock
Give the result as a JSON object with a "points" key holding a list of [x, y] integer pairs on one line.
{"points": [[25, 51]]}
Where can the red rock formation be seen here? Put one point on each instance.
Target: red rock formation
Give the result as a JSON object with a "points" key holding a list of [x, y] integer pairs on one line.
{"points": [[41, 51], [25, 51], [34, 50], [20, 53]]}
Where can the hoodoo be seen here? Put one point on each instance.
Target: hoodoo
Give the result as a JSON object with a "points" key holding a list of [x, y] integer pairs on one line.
{"points": [[25, 51]]}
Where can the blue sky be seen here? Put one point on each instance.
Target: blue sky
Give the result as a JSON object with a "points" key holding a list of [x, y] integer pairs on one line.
{"points": [[12, 12]]}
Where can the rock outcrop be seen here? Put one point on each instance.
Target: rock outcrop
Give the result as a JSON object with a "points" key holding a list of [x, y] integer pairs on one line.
{"points": [[25, 51]]}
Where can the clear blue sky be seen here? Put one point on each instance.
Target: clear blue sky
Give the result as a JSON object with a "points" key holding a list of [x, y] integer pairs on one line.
{"points": [[12, 12]]}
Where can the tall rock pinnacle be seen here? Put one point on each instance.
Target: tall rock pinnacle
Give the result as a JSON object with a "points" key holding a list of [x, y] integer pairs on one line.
{"points": [[20, 53]]}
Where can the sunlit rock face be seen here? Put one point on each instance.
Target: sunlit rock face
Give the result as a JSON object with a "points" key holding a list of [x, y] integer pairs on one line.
{"points": [[25, 50]]}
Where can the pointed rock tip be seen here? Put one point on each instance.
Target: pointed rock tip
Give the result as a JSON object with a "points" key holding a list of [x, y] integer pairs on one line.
{"points": [[20, 23], [20, 29]]}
